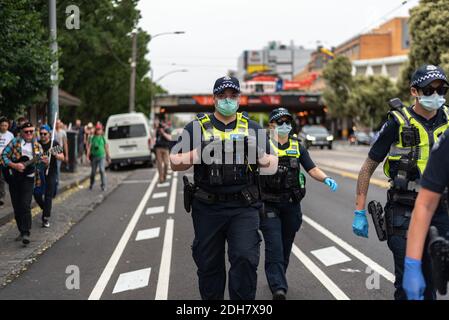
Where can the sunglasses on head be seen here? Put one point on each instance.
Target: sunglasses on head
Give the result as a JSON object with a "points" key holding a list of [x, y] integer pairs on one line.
{"points": [[429, 90], [280, 122]]}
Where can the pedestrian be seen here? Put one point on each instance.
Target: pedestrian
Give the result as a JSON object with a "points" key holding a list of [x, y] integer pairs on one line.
{"points": [[435, 186], [163, 139], [407, 138], [5, 138], [88, 132], [79, 129], [24, 179], [225, 201], [282, 194], [98, 154], [61, 139], [44, 196]]}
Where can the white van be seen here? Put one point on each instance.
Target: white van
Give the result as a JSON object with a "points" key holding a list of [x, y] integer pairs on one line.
{"points": [[130, 139]]}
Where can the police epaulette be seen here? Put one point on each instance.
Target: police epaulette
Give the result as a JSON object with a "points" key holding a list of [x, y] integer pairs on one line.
{"points": [[200, 115], [245, 115], [295, 137]]}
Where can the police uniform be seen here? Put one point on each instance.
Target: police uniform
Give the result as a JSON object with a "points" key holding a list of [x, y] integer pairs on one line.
{"points": [[282, 219], [225, 208], [405, 179]]}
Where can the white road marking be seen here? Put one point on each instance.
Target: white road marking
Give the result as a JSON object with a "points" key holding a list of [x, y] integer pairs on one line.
{"points": [[155, 210], [136, 181], [330, 256], [353, 251], [168, 177], [319, 274], [349, 270], [164, 270], [112, 263], [132, 280], [172, 200], [148, 234], [163, 185], [175, 174], [160, 195]]}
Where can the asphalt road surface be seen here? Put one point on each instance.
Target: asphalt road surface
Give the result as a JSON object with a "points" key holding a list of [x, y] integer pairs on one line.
{"points": [[137, 245]]}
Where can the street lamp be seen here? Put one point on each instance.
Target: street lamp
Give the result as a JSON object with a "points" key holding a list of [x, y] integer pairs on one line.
{"points": [[154, 83], [132, 87]]}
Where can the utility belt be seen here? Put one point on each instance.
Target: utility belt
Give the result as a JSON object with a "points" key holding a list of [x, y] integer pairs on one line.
{"points": [[247, 196], [268, 213], [406, 198], [295, 195]]}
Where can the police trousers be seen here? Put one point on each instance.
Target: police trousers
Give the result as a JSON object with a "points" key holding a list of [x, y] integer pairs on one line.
{"points": [[215, 225], [397, 243], [279, 233]]}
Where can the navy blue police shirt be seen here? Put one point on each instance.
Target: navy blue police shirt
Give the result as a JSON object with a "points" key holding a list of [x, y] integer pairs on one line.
{"points": [[191, 138], [436, 175]]}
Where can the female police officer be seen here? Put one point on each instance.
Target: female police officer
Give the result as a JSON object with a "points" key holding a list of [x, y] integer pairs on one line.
{"points": [[434, 182], [282, 193], [225, 200]]}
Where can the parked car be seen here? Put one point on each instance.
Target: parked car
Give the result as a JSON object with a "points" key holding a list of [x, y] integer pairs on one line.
{"points": [[316, 136], [130, 139], [362, 138]]}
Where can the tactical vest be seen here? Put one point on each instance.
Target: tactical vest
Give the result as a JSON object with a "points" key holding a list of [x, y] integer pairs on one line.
{"points": [[286, 178], [423, 146], [221, 173]]}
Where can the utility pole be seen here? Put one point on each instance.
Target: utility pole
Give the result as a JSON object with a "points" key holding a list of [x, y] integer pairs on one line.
{"points": [[53, 105], [132, 86]]}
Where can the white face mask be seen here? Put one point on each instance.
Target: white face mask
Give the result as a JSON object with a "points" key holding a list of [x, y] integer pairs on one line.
{"points": [[284, 129], [433, 102]]}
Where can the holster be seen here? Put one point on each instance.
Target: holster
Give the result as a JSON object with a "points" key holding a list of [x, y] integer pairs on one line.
{"points": [[267, 213], [406, 198], [189, 192], [379, 220]]}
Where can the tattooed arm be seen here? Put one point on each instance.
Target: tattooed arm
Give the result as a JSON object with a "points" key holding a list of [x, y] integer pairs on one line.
{"points": [[365, 174]]}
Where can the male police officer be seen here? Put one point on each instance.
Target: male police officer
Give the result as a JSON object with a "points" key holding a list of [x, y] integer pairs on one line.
{"points": [[225, 205], [434, 183], [282, 193], [407, 138]]}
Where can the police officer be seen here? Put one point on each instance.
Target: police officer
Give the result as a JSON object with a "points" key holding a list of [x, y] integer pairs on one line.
{"points": [[225, 205], [282, 194], [434, 183], [407, 138]]}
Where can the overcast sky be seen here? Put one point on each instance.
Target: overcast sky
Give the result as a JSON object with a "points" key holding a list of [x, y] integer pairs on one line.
{"points": [[218, 31]]}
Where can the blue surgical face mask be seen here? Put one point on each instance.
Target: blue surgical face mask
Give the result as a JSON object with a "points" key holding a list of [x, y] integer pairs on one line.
{"points": [[433, 102], [227, 107], [284, 129]]}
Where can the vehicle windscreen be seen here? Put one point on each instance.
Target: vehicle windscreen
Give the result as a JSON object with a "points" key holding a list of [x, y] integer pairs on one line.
{"points": [[126, 132], [315, 130]]}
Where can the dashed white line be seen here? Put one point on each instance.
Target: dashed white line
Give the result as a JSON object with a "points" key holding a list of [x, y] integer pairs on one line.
{"points": [[132, 280], [163, 185], [330, 256], [164, 270], [155, 210], [172, 200], [112, 263], [148, 234], [353, 251], [136, 181], [160, 195], [319, 274]]}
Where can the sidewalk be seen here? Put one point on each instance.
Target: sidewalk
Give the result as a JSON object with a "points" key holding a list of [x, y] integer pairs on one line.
{"points": [[67, 181]]}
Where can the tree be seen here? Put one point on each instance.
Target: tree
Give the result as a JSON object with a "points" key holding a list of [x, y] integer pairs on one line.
{"points": [[429, 31], [368, 100], [339, 82], [25, 57], [95, 58]]}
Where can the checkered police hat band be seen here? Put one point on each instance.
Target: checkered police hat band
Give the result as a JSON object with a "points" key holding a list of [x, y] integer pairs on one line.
{"points": [[225, 86], [433, 75], [280, 115]]}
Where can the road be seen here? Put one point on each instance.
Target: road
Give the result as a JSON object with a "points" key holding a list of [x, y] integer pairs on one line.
{"points": [[137, 245]]}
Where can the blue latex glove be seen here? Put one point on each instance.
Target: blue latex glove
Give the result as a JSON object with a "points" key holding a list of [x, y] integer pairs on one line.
{"points": [[360, 223], [413, 280], [331, 183]]}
